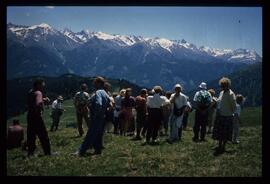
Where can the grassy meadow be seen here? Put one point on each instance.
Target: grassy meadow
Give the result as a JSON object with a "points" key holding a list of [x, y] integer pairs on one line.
{"points": [[124, 157]]}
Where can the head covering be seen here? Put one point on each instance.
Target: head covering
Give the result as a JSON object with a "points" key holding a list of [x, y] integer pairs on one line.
{"points": [[203, 85], [157, 89], [123, 91], [60, 98], [177, 86]]}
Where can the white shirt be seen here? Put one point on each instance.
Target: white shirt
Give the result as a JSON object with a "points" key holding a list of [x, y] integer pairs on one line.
{"points": [[238, 109], [180, 101], [156, 101], [56, 105]]}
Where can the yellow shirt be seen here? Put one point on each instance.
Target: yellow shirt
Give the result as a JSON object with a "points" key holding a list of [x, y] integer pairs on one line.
{"points": [[227, 103]]}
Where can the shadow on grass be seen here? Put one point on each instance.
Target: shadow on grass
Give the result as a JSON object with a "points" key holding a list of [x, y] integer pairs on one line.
{"points": [[75, 137]]}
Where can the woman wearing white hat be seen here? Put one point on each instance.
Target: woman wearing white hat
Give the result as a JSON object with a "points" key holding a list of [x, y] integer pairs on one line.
{"points": [[202, 101], [179, 104]]}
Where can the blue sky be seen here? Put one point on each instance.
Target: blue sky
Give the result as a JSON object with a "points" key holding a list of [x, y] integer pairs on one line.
{"points": [[216, 27]]}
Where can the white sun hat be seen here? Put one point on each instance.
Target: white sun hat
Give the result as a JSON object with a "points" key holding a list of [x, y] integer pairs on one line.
{"points": [[203, 85]]}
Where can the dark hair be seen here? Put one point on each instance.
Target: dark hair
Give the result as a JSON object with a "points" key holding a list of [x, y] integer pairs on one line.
{"points": [[83, 86], [239, 98], [143, 92], [99, 81], [107, 86], [168, 94], [37, 82], [212, 92], [16, 122]]}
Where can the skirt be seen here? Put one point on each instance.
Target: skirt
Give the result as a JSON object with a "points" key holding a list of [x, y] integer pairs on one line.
{"points": [[223, 128]]}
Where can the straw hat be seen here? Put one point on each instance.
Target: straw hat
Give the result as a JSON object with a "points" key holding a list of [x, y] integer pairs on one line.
{"points": [[60, 98]]}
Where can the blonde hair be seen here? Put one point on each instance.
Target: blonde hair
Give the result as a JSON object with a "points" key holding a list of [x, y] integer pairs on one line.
{"points": [[225, 82]]}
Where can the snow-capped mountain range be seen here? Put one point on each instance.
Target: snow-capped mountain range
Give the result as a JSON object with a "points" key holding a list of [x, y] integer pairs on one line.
{"points": [[96, 53]]}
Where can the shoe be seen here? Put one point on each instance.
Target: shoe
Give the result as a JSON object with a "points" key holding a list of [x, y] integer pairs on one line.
{"points": [[236, 142], [145, 143], [155, 142], [203, 140], [195, 139], [77, 153], [97, 152], [136, 138], [53, 154], [169, 141]]}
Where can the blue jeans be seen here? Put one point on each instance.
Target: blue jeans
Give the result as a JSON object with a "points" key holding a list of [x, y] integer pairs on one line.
{"points": [[94, 134]]}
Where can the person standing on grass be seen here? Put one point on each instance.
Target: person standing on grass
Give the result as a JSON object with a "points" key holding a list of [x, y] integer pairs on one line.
{"points": [[236, 119], [154, 109], [15, 135], [118, 100], [212, 111], [81, 101], [126, 115], [99, 103], [226, 109], [35, 122], [141, 109], [110, 110], [202, 101], [57, 111], [179, 104], [166, 112]]}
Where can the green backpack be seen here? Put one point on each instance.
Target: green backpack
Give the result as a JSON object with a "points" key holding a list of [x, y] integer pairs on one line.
{"points": [[203, 100]]}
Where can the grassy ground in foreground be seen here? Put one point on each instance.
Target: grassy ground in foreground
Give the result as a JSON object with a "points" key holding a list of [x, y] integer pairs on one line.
{"points": [[124, 157]]}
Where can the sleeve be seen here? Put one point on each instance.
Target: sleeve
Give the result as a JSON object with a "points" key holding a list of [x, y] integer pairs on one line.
{"points": [[233, 102], [39, 99], [147, 101], [98, 99], [185, 101], [195, 96]]}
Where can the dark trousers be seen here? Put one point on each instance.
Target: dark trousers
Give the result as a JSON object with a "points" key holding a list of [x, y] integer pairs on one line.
{"points": [[200, 124], [180, 132], [94, 134], [116, 125], [185, 120], [36, 127], [154, 122], [56, 120], [140, 123]]}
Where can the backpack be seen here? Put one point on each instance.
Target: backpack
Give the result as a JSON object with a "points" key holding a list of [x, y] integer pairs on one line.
{"points": [[203, 100], [82, 102], [82, 99]]}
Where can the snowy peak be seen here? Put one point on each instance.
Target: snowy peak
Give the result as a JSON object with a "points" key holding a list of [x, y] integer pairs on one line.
{"points": [[177, 48], [32, 31]]}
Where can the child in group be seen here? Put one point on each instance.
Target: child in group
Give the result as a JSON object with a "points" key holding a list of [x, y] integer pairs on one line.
{"points": [[236, 120]]}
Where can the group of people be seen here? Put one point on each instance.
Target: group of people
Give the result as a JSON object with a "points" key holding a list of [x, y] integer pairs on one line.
{"points": [[151, 114]]}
